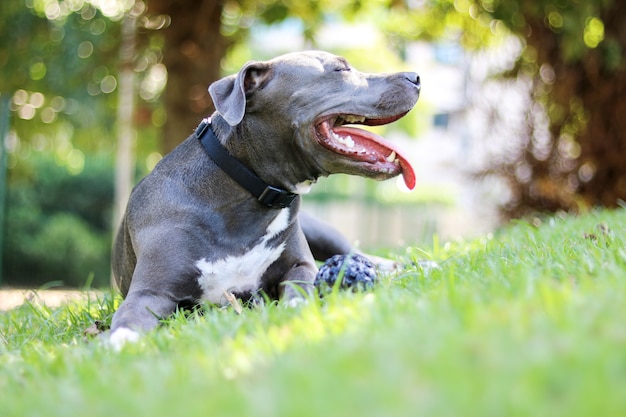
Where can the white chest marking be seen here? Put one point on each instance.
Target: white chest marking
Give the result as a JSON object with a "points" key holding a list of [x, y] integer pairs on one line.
{"points": [[241, 273], [303, 187]]}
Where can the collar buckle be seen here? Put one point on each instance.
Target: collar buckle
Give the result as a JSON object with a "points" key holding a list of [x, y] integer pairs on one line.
{"points": [[276, 197]]}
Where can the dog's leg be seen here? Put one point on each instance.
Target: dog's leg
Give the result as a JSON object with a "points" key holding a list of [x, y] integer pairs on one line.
{"points": [[297, 282], [140, 312]]}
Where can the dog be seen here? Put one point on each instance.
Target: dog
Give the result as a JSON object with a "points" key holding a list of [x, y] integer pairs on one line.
{"points": [[219, 215]]}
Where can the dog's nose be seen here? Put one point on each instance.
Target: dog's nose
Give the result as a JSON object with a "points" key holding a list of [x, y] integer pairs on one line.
{"points": [[413, 78]]}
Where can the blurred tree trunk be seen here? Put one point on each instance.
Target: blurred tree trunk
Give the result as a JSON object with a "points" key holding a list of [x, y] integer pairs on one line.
{"points": [[194, 48], [125, 156], [586, 165], [575, 54], [602, 89]]}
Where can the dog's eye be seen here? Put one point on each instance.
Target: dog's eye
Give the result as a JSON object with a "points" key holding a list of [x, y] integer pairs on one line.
{"points": [[341, 65]]}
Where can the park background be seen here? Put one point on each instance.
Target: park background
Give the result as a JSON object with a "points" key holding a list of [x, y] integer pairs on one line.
{"points": [[521, 112]]}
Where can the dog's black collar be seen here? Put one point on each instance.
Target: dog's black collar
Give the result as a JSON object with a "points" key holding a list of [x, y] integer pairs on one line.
{"points": [[266, 194]]}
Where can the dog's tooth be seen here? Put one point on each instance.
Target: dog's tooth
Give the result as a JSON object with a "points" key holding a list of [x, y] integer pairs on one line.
{"points": [[346, 141], [391, 157]]}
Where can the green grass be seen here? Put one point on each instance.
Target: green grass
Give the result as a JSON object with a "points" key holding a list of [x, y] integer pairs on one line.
{"points": [[528, 322]]}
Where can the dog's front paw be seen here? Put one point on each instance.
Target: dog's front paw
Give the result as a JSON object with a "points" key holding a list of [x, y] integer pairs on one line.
{"points": [[120, 337], [295, 302], [383, 265]]}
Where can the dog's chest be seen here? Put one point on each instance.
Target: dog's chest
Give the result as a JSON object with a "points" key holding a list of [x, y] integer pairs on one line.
{"points": [[240, 274]]}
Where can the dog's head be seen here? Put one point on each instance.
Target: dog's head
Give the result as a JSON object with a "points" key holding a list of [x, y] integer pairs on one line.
{"points": [[311, 101]]}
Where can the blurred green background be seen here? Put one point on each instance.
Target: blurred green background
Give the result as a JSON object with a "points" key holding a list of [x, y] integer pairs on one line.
{"points": [[94, 92]]}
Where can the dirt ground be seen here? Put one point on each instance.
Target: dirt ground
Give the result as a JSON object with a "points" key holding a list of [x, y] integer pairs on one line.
{"points": [[11, 298]]}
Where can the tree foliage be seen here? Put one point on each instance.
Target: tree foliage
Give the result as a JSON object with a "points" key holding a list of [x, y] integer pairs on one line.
{"points": [[573, 55], [58, 225], [58, 63], [47, 65]]}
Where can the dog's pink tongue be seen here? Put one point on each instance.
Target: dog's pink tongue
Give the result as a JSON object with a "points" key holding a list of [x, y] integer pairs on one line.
{"points": [[408, 175], [379, 145]]}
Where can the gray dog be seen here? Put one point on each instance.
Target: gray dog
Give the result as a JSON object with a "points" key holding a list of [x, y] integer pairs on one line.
{"points": [[218, 216]]}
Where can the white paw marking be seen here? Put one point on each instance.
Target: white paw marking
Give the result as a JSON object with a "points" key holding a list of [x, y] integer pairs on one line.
{"points": [[296, 302], [122, 336]]}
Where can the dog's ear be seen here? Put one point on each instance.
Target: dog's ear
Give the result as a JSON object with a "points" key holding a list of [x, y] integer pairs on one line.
{"points": [[229, 94]]}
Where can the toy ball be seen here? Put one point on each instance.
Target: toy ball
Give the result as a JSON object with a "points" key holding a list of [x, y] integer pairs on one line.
{"points": [[355, 271]]}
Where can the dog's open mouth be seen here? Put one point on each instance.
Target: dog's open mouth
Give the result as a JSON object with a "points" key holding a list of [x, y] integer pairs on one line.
{"points": [[363, 146]]}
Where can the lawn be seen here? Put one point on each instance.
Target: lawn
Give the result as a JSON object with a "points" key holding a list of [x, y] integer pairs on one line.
{"points": [[530, 321]]}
